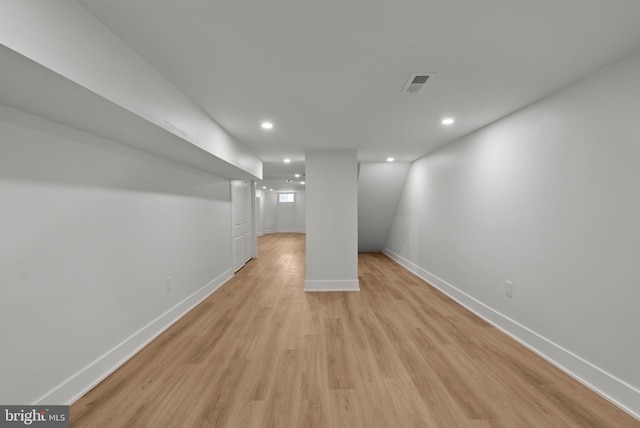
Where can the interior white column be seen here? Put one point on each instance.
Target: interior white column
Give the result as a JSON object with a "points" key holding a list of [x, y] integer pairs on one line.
{"points": [[332, 220]]}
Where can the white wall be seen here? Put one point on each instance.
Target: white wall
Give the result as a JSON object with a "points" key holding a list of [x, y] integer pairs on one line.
{"points": [[379, 189], [90, 230], [332, 220], [90, 55], [291, 215], [259, 212], [285, 217], [270, 212], [549, 199]]}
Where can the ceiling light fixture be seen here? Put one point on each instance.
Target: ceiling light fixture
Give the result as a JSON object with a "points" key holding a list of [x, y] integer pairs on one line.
{"points": [[447, 121], [297, 176], [287, 160], [390, 159], [267, 125], [302, 182]]}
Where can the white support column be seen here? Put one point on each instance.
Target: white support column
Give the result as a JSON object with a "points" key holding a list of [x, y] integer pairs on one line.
{"points": [[331, 220]]}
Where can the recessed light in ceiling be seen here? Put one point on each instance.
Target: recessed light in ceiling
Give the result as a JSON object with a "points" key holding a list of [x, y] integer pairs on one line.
{"points": [[264, 187], [447, 121], [390, 159], [297, 176], [302, 182], [287, 160], [267, 125]]}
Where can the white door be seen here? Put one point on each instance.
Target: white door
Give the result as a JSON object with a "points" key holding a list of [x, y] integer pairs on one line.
{"points": [[241, 222]]}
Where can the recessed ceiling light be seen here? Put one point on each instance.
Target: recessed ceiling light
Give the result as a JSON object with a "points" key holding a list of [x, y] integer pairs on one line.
{"points": [[287, 160], [447, 121], [297, 176], [271, 190], [302, 182], [390, 159], [267, 125], [264, 187]]}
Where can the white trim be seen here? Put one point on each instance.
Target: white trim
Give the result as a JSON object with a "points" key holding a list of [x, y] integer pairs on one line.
{"points": [[332, 285], [608, 386], [271, 231], [84, 380]]}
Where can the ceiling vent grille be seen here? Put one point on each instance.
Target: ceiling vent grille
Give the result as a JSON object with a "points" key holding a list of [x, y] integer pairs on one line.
{"points": [[417, 82]]}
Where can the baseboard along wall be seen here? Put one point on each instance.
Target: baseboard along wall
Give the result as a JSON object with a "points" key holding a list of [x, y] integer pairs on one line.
{"points": [[608, 386], [84, 380]]}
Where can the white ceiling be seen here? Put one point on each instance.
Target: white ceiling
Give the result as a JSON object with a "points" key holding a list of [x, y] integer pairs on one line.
{"points": [[329, 73]]}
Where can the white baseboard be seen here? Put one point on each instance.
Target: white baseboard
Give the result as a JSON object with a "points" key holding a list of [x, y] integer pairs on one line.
{"points": [[613, 389], [84, 380], [332, 285], [268, 232]]}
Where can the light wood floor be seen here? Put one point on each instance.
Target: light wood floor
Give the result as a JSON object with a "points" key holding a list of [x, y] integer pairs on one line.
{"points": [[262, 353]]}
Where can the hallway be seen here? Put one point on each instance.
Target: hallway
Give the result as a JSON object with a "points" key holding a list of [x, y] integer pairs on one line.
{"points": [[261, 352]]}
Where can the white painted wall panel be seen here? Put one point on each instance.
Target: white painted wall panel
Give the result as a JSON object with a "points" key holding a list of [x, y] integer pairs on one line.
{"points": [[259, 207], [283, 218], [90, 230], [380, 187], [291, 215], [546, 198]]}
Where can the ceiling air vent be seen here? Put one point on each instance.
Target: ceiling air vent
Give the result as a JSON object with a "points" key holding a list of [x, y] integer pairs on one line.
{"points": [[417, 82]]}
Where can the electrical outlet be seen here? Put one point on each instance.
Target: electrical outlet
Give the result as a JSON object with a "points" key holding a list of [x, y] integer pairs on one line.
{"points": [[508, 289], [169, 283]]}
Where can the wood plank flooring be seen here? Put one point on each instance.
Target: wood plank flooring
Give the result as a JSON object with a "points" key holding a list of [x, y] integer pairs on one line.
{"points": [[262, 353]]}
